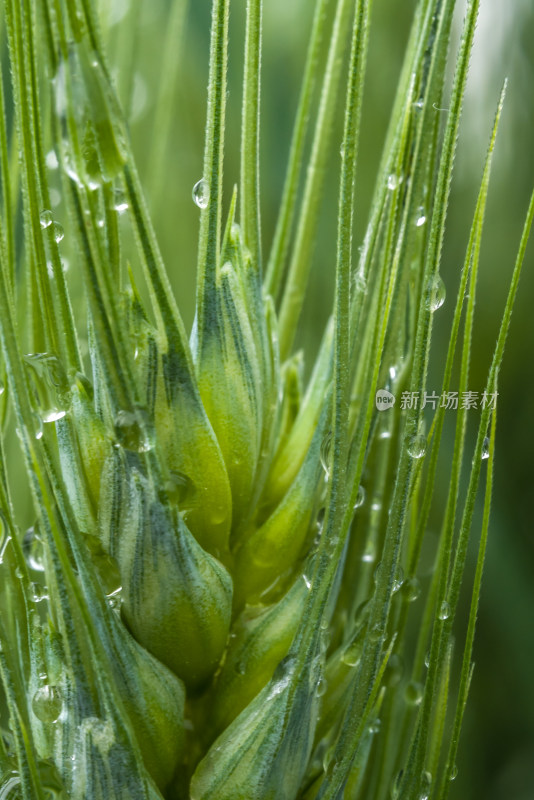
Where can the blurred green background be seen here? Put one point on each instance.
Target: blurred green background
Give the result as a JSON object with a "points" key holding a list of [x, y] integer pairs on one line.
{"points": [[496, 759]]}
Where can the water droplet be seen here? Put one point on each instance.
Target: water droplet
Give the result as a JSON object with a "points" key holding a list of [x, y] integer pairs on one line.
{"points": [[39, 593], [115, 599], [411, 589], [47, 703], [420, 218], [376, 633], [307, 581], [453, 772], [178, 488], [38, 427], [393, 182], [55, 198], [324, 454], [377, 575], [417, 446], [425, 786], [413, 693], [444, 611], [100, 731], [51, 160], [328, 756], [394, 670], [51, 388], [282, 677], [53, 415], [2, 387], [436, 293], [361, 615], [486, 448], [201, 193], [374, 726], [369, 554], [218, 514], [418, 104], [131, 430], [321, 688], [59, 233], [105, 565], [353, 652], [45, 218], [360, 498], [427, 659], [120, 203], [398, 580], [32, 547]]}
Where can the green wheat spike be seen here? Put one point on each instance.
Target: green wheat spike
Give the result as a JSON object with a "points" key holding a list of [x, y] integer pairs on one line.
{"points": [[219, 595]]}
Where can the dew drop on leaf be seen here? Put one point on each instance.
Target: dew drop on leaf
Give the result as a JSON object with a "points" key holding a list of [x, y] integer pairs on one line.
{"points": [[282, 676], [417, 446], [39, 593], [120, 203], [377, 575], [425, 786], [444, 611], [411, 589], [398, 580], [131, 433], [369, 554], [45, 218], [486, 448], [33, 550], [179, 488], [376, 633], [51, 160], [201, 193], [374, 726], [352, 653], [420, 218], [436, 293], [59, 233], [53, 415], [47, 703], [413, 694], [324, 454], [360, 498], [105, 565], [394, 670]]}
